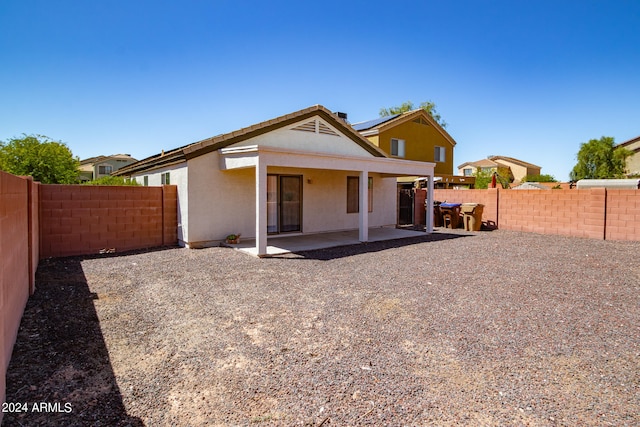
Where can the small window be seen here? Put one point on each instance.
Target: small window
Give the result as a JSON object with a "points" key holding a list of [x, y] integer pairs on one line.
{"points": [[146, 181], [397, 147], [439, 154], [467, 171], [353, 194], [104, 170], [165, 179]]}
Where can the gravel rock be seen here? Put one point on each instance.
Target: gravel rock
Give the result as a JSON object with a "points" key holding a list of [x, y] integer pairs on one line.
{"points": [[489, 328]]}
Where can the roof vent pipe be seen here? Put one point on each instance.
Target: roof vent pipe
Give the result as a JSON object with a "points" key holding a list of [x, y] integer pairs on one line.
{"points": [[342, 116]]}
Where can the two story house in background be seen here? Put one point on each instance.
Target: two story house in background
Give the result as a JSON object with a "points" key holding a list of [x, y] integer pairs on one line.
{"points": [[101, 166], [633, 161], [413, 135], [515, 169]]}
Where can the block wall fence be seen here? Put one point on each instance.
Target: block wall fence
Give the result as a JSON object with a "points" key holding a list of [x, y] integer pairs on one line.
{"points": [[41, 220], [18, 259], [595, 213], [84, 219]]}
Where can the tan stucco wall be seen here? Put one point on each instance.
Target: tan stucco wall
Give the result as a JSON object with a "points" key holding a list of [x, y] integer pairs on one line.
{"points": [[223, 202], [178, 177], [220, 202], [420, 143], [633, 162], [519, 171]]}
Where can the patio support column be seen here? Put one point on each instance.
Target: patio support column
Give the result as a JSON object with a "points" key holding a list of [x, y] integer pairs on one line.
{"points": [[363, 214], [429, 205], [261, 207]]}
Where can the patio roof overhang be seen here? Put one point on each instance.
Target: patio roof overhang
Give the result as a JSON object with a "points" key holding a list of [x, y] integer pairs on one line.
{"points": [[261, 157], [247, 157]]}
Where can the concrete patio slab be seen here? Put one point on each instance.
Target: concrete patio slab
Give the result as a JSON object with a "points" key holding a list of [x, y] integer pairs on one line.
{"points": [[284, 244]]}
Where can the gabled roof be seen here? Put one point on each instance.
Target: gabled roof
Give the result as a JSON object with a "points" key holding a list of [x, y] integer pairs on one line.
{"points": [[381, 124], [484, 163], [513, 160], [98, 159], [494, 161], [208, 145]]}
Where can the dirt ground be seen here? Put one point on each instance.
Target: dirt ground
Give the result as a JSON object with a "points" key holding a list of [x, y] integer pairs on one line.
{"points": [[496, 328]]}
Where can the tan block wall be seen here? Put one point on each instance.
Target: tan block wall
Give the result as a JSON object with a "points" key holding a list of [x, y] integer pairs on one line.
{"points": [[18, 259], [79, 220], [623, 215]]}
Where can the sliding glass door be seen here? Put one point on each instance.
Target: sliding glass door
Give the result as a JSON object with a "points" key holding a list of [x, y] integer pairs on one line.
{"points": [[284, 203]]}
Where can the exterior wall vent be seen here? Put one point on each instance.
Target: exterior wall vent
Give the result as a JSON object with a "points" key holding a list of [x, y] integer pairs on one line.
{"points": [[307, 127], [324, 129], [316, 126]]}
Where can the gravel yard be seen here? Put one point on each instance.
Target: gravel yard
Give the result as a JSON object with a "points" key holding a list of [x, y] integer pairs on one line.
{"points": [[496, 328]]}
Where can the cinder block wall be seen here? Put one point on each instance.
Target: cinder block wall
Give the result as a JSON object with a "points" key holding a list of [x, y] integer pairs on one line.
{"points": [[170, 214], [18, 260], [594, 213], [579, 213], [623, 215], [80, 220]]}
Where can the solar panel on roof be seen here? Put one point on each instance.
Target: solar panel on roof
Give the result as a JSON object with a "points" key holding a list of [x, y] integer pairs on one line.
{"points": [[372, 123]]}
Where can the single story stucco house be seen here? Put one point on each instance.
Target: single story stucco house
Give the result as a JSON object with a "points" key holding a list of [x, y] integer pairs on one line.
{"points": [[304, 172]]}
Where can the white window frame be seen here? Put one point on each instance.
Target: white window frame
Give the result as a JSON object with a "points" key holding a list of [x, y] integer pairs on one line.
{"points": [[399, 147], [353, 194], [165, 178], [440, 154], [107, 168]]}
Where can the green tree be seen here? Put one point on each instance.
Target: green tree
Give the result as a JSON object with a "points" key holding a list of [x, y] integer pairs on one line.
{"points": [[597, 159], [539, 178], [483, 178], [47, 161], [112, 180], [428, 106]]}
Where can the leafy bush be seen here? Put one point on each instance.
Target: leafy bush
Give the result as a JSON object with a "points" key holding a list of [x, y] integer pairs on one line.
{"points": [[112, 180]]}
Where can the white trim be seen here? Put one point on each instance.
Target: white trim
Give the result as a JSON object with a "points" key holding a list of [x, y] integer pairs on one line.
{"points": [[232, 158], [363, 214]]}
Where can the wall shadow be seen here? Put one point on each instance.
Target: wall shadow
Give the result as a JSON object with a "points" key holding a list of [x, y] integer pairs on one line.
{"points": [[362, 248], [60, 361]]}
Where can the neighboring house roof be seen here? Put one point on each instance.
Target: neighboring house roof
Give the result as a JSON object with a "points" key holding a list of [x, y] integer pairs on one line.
{"points": [[494, 161], [98, 159], [381, 124], [484, 163], [513, 160], [630, 142], [208, 145], [531, 186]]}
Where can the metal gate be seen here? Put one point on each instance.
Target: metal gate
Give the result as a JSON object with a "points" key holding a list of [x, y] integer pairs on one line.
{"points": [[405, 206]]}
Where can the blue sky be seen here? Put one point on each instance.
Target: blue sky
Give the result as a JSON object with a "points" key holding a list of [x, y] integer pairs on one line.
{"points": [[530, 80]]}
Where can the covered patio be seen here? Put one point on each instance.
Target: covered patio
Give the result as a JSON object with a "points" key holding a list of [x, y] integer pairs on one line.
{"points": [[261, 158]]}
